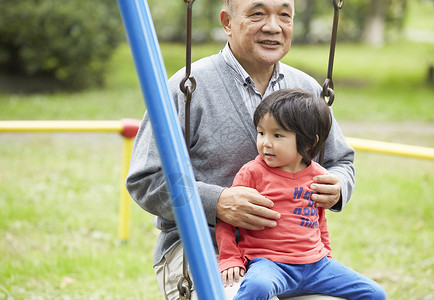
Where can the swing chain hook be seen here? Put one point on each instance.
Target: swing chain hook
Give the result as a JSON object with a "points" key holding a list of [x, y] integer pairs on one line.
{"points": [[185, 284], [183, 86], [327, 90], [188, 89], [336, 4], [184, 288]]}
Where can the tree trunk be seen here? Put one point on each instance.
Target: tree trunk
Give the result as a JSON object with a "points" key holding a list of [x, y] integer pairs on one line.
{"points": [[307, 17], [374, 30]]}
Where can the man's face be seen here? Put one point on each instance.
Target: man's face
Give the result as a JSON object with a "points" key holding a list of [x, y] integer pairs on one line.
{"points": [[259, 31]]}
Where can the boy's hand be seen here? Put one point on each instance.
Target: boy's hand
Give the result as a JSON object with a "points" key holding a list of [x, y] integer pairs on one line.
{"points": [[230, 274]]}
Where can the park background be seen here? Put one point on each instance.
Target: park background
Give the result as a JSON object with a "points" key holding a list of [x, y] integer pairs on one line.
{"points": [[59, 193]]}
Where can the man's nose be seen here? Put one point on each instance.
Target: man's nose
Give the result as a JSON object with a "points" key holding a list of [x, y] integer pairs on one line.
{"points": [[272, 24]]}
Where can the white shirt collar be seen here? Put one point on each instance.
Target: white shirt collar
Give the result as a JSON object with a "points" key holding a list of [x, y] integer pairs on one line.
{"points": [[244, 76]]}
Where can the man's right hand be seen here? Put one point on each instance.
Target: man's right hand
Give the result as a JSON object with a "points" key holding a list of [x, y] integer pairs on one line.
{"points": [[244, 207]]}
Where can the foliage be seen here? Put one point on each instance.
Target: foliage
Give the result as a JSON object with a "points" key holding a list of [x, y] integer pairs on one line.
{"points": [[315, 18], [169, 18], [68, 39], [368, 87], [312, 22]]}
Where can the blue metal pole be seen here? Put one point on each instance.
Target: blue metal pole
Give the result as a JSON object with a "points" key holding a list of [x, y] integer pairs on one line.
{"points": [[188, 210]]}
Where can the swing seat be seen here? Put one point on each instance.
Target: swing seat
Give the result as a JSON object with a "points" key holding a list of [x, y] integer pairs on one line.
{"points": [[231, 291]]}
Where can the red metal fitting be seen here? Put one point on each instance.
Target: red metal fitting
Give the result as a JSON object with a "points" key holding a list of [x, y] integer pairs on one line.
{"points": [[130, 128]]}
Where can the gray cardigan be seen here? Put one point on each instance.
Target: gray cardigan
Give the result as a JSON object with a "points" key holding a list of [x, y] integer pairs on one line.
{"points": [[223, 139]]}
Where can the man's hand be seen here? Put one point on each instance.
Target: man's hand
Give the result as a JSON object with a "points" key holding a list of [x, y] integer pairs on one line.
{"points": [[328, 188], [232, 274], [245, 207]]}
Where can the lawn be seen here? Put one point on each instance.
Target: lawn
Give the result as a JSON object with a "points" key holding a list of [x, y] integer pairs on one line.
{"points": [[59, 193], [59, 214]]}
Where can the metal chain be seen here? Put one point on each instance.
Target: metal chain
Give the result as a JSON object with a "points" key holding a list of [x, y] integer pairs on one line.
{"points": [[327, 89], [185, 285], [188, 89]]}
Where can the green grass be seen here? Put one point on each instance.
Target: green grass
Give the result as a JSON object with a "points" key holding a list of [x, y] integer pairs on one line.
{"points": [[58, 221], [59, 193], [59, 213], [385, 232], [419, 15]]}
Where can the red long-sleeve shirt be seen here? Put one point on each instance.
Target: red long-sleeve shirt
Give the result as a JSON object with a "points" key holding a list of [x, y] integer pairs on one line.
{"points": [[301, 234]]}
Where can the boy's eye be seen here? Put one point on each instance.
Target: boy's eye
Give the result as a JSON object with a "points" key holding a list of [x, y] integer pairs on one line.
{"points": [[276, 135], [260, 133]]}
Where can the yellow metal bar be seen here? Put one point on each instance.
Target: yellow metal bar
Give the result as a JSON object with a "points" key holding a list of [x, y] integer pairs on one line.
{"points": [[119, 126], [125, 200], [89, 126], [61, 126], [391, 148]]}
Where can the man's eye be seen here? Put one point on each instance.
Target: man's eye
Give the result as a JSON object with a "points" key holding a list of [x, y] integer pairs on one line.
{"points": [[286, 17], [257, 14]]}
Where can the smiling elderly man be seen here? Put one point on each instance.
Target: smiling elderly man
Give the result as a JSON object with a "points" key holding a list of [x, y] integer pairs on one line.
{"points": [[230, 85]]}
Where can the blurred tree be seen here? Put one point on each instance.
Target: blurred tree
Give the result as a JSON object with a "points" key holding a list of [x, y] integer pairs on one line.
{"points": [[375, 22], [383, 14], [69, 40], [170, 19], [368, 19]]}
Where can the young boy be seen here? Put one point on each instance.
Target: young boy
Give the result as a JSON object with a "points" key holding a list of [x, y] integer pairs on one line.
{"points": [[293, 258]]}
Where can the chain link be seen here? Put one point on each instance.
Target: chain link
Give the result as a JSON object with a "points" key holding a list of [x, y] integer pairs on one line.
{"points": [[327, 89], [185, 285]]}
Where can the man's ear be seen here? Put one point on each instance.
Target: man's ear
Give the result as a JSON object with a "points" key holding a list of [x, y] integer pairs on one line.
{"points": [[225, 19]]}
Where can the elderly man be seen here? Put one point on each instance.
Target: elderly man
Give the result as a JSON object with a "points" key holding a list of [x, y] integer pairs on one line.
{"points": [[230, 85]]}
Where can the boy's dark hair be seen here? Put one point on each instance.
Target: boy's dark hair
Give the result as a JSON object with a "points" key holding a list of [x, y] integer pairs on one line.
{"points": [[299, 112]]}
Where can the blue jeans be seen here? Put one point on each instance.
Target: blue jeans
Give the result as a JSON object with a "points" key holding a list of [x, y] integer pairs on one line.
{"points": [[265, 279]]}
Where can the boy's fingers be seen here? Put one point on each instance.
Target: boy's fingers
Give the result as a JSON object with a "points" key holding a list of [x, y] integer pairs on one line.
{"points": [[237, 274], [231, 276], [224, 275]]}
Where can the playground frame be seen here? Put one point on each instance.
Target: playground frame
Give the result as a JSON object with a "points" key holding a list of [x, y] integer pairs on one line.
{"points": [[128, 129]]}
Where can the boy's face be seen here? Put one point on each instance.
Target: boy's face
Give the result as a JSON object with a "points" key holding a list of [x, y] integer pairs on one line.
{"points": [[277, 146]]}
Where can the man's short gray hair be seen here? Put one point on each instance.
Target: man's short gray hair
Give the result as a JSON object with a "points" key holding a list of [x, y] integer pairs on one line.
{"points": [[228, 5]]}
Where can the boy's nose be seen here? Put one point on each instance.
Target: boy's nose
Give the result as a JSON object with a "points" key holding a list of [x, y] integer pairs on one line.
{"points": [[266, 143]]}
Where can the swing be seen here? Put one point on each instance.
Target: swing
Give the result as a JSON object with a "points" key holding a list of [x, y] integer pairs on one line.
{"points": [[185, 284]]}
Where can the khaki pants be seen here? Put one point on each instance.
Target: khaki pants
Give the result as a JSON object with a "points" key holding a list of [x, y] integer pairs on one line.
{"points": [[169, 270]]}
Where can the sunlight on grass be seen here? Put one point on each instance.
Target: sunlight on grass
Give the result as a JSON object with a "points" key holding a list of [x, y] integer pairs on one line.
{"points": [[59, 221], [385, 231], [59, 210]]}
